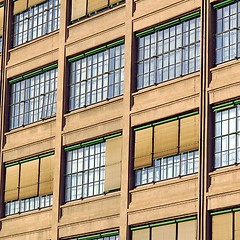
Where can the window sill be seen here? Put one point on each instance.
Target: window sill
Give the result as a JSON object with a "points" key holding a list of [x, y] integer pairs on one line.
{"points": [[164, 183], [95, 105], [225, 169], [165, 83], [24, 214], [91, 199], [224, 65], [108, 11], [31, 125], [48, 35]]}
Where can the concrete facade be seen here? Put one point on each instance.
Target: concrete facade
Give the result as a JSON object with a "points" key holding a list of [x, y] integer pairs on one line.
{"points": [[197, 194]]}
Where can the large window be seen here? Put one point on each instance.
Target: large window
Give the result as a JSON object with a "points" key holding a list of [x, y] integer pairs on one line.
{"points": [[168, 51], [101, 236], [166, 149], [227, 32], [33, 97], [96, 75], [87, 8], [227, 134], [176, 229], [28, 184], [226, 224], [93, 167], [31, 22]]}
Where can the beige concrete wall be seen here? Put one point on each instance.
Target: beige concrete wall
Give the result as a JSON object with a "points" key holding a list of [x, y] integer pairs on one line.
{"points": [[150, 203]]}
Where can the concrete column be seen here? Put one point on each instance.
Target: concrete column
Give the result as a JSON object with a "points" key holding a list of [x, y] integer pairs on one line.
{"points": [[205, 131], [127, 143], [4, 93], [58, 192]]}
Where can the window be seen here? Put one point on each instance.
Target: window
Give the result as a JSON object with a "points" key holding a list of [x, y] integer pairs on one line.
{"points": [[168, 51], [33, 97], [179, 229], [166, 149], [93, 168], [32, 21], [226, 224], [227, 32], [28, 184], [87, 8], [227, 134], [96, 75], [102, 236]]}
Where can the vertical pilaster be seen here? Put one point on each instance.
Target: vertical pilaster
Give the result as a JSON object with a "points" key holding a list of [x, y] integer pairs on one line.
{"points": [[204, 129], [4, 92], [58, 164], [127, 143]]}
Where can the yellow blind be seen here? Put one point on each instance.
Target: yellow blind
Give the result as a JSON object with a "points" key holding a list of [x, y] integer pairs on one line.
{"points": [[20, 6], [29, 179], [222, 227], [189, 133], [79, 9], [34, 2], [46, 175], [187, 230], [1, 20], [166, 139], [114, 1], [12, 181], [167, 232], [143, 234], [94, 5], [113, 163], [143, 148], [237, 226]]}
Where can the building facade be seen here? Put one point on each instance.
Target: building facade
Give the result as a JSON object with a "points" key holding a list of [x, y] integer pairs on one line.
{"points": [[120, 120]]}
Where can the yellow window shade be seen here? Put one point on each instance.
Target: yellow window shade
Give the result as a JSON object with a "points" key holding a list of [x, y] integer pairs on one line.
{"points": [[20, 6], [34, 2], [113, 163], [143, 148], [222, 227], [46, 175], [187, 230], [189, 133], [79, 9], [167, 232], [114, 1], [12, 182], [94, 5], [29, 179], [143, 234], [166, 139], [1, 20], [237, 226]]}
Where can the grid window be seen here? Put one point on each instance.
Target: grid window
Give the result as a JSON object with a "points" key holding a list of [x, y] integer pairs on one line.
{"points": [[28, 184], [226, 224], [33, 99], [166, 149], [169, 53], [97, 77], [94, 237], [227, 137], [29, 204], [36, 21], [168, 167], [85, 172], [227, 33]]}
